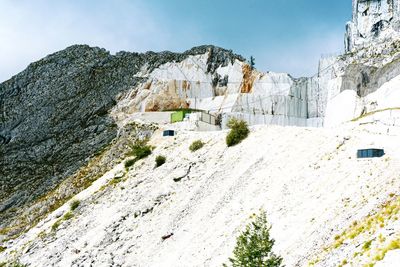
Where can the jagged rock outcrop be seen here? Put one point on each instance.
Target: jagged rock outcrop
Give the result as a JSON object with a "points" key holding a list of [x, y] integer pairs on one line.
{"points": [[363, 81], [55, 114], [366, 78], [373, 20]]}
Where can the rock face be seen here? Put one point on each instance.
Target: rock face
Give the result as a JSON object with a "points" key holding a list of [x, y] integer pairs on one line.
{"points": [[365, 78], [372, 20], [363, 81], [233, 89], [62, 109], [55, 114], [67, 120]]}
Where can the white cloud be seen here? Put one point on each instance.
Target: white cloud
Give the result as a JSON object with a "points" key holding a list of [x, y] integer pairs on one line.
{"points": [[30, 30]]}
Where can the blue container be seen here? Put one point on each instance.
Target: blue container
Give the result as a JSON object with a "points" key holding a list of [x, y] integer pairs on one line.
{"points": [[169, 133], [370, 153]]}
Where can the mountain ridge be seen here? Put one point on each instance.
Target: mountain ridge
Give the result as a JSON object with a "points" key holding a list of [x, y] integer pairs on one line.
{"points": [[54, 114], [67, 123]]}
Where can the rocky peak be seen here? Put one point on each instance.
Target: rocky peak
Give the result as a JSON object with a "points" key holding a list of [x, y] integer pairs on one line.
{"points": [[54, 115], [217, 57], [372, 20]]}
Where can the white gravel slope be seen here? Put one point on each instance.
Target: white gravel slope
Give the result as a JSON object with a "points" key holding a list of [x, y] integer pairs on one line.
{"points": [[308, 180]]}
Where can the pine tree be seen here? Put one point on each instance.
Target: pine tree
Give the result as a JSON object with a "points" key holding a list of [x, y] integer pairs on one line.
{"points": [[252, 62], [254, 246]]}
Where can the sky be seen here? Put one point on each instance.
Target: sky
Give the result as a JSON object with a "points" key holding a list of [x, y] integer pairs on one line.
{"points": [[282, 35]]}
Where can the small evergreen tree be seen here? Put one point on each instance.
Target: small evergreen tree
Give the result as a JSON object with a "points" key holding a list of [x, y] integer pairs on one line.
{"points": [[252, 62], [254, 246]]}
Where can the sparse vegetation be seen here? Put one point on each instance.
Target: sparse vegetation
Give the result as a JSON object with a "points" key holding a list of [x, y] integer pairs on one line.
{"points": [[343, 263], [373, 112], [239, 132], [196, 145], [14, 264], [74, 205], [138, 150], [367, 245], [68, 216], [114, 181], [160, 160], [128, 163], [254, 246], [313, 262], [388, 211], [381, 252], [371, 224], [55, 226], [2, 248], [57, 197]]}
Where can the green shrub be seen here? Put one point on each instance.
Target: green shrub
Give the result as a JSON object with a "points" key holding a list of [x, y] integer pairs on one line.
{"points": [[140, 150], [129, 163], [196, 145], [68, 216], [15, 264], [114, 181], [55, 226], [254, 246], [367, 245], [239, 131], [160, 160], [74, 204]]}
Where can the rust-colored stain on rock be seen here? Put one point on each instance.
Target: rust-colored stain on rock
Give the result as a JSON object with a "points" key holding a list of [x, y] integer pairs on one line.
{"points": [[248, 79]]}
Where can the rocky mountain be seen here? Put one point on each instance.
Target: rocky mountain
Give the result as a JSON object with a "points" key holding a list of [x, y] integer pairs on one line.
{"points": [[373, 20], [67, 123], [55, 116], [366, 76]]}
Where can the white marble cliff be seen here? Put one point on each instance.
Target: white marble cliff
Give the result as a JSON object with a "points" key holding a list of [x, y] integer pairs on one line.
{"points": [[372, 20], [363, 80]]}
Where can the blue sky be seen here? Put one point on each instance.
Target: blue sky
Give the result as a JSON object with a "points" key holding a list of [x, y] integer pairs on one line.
{"points": [[282, 35]]}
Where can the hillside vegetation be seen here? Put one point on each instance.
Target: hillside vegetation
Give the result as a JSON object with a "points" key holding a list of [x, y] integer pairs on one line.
{"points": [[326, 207]]}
